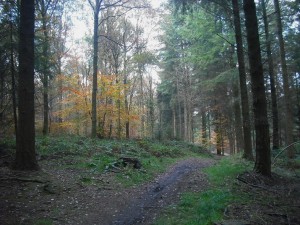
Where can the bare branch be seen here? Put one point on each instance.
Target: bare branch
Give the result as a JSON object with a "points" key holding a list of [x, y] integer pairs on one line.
{"points": [[108, 38], [123, 4], [91, 4], [113, 16], [232, 44]]}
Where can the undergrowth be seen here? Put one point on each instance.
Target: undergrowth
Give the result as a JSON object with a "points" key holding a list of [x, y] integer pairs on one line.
{"points": [[207, 207], [96, 156]]}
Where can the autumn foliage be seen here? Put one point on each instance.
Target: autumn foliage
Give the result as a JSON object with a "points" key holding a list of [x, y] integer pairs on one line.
{"points": [[74, 115]]}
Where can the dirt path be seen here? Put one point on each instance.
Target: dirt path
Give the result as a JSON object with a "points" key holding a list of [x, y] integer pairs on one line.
{"points": [[165, 190], [64, 201]]}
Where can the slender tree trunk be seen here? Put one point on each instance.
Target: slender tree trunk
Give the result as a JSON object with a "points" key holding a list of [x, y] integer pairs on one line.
{"points": [[151, 108], [243, 86], [45, 72], [209, 127], [96, 9], [179, 113], [263, 156], [180, 127], [272, 79], [204, 134], [119, 110], [60, 86], [218, 134], [185, 118], [238, 120], [25, 152], [13, 81], [174, 122], [127, 123], [142, 103], [286, 88], [237, 110]]}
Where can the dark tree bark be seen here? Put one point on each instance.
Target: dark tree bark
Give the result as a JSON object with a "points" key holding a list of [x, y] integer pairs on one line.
{"points": [[46, 72], [13, 80], [25, 152], [237, 117], [96, 9], [263, 156], [238, 129], [286, 88], [204, 127], [272, 79], [243, 86]]}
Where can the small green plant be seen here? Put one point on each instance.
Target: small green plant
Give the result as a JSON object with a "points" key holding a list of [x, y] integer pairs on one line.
{"points": [[227, 169], [100, 163], [207, 207], [43, 222]]}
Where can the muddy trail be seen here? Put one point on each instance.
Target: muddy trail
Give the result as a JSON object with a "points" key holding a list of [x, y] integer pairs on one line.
{"points": [[56, 195], [164, 191]]}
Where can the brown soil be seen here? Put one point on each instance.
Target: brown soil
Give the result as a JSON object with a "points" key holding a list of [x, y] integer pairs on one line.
{"points": [[272, 201], [58, 195]]}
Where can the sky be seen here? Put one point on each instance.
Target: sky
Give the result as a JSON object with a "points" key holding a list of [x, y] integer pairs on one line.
{"points": [[80, 26], [83, 25], [157, 3]]}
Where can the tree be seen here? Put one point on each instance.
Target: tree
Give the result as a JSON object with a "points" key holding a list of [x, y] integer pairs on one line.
{"points": [[263, 155], [25, 152], [286, 85], [43, 8], [8, 61], [96, 9], [243, 86], [275, 133]]}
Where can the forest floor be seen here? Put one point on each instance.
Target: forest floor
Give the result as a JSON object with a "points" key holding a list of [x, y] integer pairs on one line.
{"points": [[59, 196], [69, 195]]}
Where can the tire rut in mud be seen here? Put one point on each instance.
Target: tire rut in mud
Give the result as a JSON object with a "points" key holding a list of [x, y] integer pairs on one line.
{"points": [[165, 190]]}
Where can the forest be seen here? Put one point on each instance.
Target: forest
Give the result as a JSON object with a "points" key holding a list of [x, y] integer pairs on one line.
{"points": [[149, 112]]}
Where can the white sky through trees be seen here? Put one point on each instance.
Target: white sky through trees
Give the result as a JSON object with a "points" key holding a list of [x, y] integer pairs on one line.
{"points": [[83, 24], [82, 28]]}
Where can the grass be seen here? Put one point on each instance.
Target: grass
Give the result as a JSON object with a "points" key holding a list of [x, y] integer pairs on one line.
{"points": [[207, 207], [96, 156], [43, 222], [285, 166], [151, 166]]}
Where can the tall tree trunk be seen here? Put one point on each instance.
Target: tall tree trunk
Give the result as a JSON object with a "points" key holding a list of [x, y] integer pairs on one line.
{"points": [[218, 133], [151, 108], [13, 80], [96, 9], [25, 152], [174, 123], [243, 86], [263, 155], [127, 111], [286, 88], [272, 79], [45, 67], [237, 118], [203, 120], [179, 113], [119, 108], [237, 110], [142, 102], [185, 117], [127, 124], [60, 86]]}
